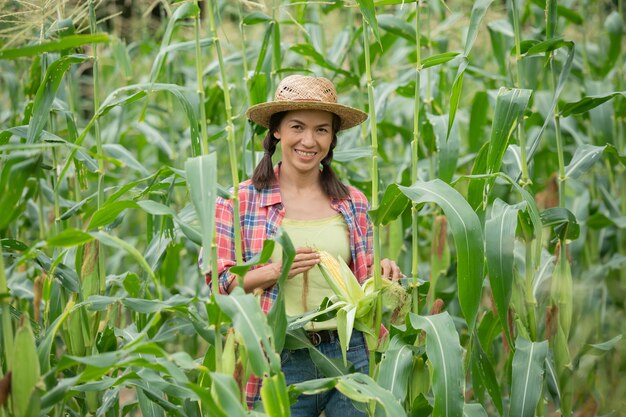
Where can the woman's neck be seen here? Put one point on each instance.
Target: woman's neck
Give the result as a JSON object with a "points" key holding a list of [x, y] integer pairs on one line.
{"points": [[299, 181]]}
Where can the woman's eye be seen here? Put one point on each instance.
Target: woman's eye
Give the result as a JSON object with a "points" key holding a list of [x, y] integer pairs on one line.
{"points": [[296, 127], [322, 130]]}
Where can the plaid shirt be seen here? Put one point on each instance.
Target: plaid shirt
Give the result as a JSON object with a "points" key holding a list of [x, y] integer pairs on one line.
{"points": [[261, 214]]}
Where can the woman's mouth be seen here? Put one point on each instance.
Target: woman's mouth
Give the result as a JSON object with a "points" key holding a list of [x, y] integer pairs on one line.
{"points": [[305, 154]]}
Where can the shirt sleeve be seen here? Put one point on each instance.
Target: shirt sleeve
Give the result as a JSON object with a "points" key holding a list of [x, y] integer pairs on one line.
{"points": [[364, 223], [225, 240]]}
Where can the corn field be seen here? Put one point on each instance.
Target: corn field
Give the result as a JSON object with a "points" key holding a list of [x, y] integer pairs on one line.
{"points": [[494, 160]]}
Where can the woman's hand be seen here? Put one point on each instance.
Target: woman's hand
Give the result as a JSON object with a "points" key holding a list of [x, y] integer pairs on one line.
{"points": [[268, 275], [306, 258], [390, 269]]}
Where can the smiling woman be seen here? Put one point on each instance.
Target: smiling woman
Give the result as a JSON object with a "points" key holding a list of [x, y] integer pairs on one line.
{"points": [[303, 196]]}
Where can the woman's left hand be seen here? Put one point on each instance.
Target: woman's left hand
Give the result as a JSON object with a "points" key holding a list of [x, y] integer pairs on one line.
{"points": [[390, 269]]}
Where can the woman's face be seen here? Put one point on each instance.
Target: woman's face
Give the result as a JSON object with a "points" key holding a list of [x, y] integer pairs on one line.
{"points": [[305, 137]]}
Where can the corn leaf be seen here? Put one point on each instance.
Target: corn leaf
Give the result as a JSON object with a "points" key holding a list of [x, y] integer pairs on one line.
{"points": [[533, 143], [482, 369], [510, 107], [446, 356], [395, 368], [69, 237], [47, 91], [202, 184], [474, 410], [358, 387], [478, 13], [392, 205], [369, 14], [67, 42], [468, 238], [528, 369], [499, 245], [587, 103], [250, 322], [583, 159]]}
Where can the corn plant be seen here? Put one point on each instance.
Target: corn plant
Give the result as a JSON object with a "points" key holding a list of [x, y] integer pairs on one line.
{"points": [[497, 153]]}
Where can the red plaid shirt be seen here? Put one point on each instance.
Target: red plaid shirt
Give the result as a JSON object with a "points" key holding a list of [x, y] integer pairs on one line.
{"points": [[261, 214]]}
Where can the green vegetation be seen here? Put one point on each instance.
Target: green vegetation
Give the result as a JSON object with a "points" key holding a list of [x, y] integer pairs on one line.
{"points": [[494, 160]]}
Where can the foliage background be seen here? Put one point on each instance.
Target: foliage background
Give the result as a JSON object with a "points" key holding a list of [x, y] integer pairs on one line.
{"points": [[95, 200]]}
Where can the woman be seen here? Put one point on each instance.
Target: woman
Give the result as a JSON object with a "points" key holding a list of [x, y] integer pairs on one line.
{"points": [[304, 197]]}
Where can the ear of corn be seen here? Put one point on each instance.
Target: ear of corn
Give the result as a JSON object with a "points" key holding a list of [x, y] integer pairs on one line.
{"points": [[25, 373]]}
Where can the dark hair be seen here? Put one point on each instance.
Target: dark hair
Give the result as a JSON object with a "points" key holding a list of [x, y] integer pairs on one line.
{"points": [[263, 176]]}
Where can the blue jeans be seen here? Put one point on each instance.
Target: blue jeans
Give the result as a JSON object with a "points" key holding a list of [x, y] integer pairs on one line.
{"points": [[298, 367]]}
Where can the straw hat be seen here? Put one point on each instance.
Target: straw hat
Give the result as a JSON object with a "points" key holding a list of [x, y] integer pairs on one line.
{"points": [[303, 92]]}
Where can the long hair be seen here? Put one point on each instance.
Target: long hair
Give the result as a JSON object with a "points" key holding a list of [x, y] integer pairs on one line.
{"points": [[263, 176]]}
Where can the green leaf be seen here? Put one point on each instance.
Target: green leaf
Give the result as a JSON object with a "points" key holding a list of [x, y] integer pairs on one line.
{"points": [[455, 95], [47, 91], [499, 247], [395, 368], [250, 322], [510, 107], [527, 383], [601, 348], [17, 168], [297, 339], [483, 368], [66, 42], [66, 275], [69, 237], [119, 152], [184, 11], [398, 27], [116, 242], [467, 232], [255, 18], [587, 103], [109, 212], [277, 316], [392, 205], [369, 14], [447, 146], [614, 25], [474, 410], [565, 70], [583, 159], [562, 221], [478, 120], [446, 356], [438, 59], [478, 13], [202, 184]]}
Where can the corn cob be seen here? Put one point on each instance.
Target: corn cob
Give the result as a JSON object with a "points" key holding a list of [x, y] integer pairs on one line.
{"points": [[332, 272]]}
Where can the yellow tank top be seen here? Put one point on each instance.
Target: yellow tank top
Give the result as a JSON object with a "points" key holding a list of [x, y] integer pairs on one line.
{"points": [[302, 293]]}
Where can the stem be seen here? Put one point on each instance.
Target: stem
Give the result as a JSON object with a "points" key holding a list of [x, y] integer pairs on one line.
{"points": [[276, 38], [204, 137], [531, 303], [374, 174], [96, 105], [414, 161], [521, 135], [230, 130]]}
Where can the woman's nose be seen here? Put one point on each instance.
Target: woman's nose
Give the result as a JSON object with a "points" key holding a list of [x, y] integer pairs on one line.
{"points": [[307, 138]]}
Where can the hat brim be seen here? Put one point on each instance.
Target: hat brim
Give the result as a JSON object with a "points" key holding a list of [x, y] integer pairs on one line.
{"points": [[349, 116]]}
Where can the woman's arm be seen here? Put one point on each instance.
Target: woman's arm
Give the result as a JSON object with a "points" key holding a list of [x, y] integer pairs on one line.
{"points": [[267, 275]]}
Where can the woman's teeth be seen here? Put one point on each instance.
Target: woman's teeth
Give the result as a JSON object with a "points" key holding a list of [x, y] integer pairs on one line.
{"points": [[309, 154]]}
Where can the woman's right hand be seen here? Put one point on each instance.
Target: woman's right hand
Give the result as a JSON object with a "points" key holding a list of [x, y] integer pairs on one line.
{"points": [[268, 275], [305, 259]]}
